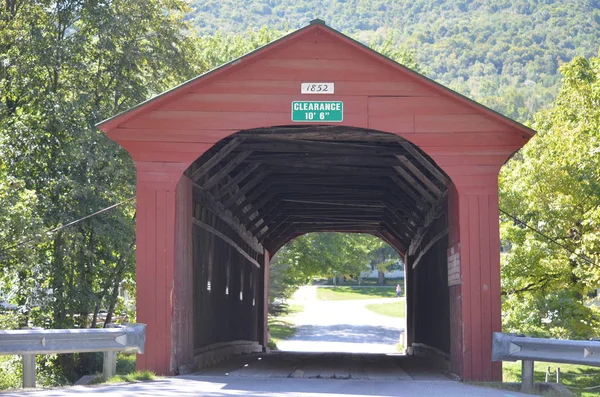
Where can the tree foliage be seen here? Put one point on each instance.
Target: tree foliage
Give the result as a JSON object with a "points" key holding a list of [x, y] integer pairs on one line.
{"points": [[504, 54], [324, 255], [554, 186], [64, 66]]}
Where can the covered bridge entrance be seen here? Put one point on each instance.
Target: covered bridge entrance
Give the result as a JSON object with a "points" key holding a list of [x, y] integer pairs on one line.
{"points": [[314, 132]]}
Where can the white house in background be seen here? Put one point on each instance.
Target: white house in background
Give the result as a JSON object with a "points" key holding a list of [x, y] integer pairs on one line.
{"points": [[374, 274]]}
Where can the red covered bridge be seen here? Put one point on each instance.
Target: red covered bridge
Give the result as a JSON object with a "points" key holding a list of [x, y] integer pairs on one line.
{"points": [[237, 162]]}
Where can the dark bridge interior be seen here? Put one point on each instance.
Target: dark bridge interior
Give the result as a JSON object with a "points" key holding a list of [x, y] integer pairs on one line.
{"points": [[259, 189]]}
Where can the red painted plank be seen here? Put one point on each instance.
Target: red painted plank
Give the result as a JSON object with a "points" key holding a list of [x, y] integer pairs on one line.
{"points": [[172, 135], [478, 190], [467, 280], [155, 166], [169, 279], [457, 123], [398, 86], [477, 139], [485, 224], [306, 49], [142, 206], [161, 300], [174, 157], [495, 288], [416, 105], [397, 124], [146, 273], [474, 180], [353, 116], [315, 70], [456, 170], [471, 150], [444, 160], [242, 103], [166, 146], [474, 286]]}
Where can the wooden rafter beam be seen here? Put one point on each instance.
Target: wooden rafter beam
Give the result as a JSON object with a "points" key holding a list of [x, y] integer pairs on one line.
{"points": [[420, 176], [434, 213], [399, 234], [207, 201], [229, 241], [216, 158], [264, 234], [334, 203], [237, 160], [256, 213], [407, 190], [233, 182], [427, 247], [430, 166], [327, 159], [256, 179], [414, 184]]}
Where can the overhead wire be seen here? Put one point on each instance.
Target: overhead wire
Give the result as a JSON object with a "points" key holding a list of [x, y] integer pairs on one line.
{"points": [[47, 233], [59, 228], [553, 240]]}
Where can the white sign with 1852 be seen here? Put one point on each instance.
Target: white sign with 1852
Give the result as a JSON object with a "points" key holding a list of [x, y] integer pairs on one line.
{"points": [[316, 88]]}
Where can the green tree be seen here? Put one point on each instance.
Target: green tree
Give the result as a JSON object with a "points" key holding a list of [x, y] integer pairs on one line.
{"points": [[325, 255], [64, 66], [553, 185]]}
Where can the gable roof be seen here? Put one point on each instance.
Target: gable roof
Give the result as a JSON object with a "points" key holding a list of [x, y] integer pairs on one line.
{"points": [[181, 89]]}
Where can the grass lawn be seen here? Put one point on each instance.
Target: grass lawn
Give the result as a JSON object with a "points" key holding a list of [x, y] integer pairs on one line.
{"points": [[368, 281], [393, 309], [576, 377], [354, 293], [280, 327]]}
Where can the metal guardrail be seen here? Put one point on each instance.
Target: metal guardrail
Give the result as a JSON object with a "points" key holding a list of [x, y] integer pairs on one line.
{"points": [[29, 343], [511, 347]]}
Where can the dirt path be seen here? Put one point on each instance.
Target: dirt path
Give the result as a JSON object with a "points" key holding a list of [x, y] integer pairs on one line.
{"points": [[341, 326]]}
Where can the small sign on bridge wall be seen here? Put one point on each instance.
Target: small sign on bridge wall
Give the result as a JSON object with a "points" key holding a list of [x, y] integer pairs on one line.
{"points": [[317, 88], [454, 265], [318, 111]]}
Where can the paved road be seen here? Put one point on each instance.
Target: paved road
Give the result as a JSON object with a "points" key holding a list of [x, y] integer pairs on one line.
{"points": [[334, 326], [188, 386], [341, 326]]}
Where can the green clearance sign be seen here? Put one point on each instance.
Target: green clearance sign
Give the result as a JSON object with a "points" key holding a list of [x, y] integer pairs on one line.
{"points": [[318, 111]]}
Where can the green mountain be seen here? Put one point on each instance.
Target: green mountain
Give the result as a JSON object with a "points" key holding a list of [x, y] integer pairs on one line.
{"points": [[503, 53]]}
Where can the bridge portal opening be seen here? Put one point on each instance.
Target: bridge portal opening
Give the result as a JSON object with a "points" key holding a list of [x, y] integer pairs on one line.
{"points": [[259, 189], [337, 293]]}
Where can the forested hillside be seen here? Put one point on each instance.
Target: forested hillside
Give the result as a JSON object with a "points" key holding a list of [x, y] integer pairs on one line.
{"points": [[504, 53]]}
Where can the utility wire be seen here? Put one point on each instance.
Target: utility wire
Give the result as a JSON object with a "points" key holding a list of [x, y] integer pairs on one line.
{"points": [[585, 258], [59, 228]]}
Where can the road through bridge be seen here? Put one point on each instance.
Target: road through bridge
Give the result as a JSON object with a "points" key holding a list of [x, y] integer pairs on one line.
{"points": [[314, 132]]}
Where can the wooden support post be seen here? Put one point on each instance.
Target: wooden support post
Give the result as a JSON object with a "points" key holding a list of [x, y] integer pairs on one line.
{"points": [[163, 267], [264, 315], [474, 278]]}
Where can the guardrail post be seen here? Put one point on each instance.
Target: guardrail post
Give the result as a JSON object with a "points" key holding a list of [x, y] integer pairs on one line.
{"points": [[28, 370], [527, 376], [109, 366]]}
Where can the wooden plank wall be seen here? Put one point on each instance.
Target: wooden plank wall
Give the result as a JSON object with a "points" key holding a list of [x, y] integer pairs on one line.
{"points": [[430, 295], [183, 327], [220, 274]]}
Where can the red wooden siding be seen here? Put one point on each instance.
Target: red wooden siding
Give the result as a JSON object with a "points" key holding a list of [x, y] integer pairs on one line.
{"points": [[166, 135]]}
